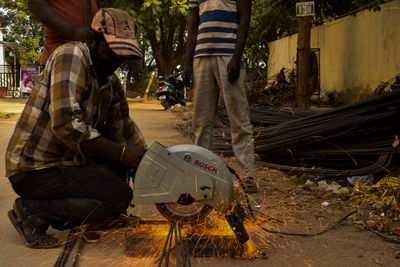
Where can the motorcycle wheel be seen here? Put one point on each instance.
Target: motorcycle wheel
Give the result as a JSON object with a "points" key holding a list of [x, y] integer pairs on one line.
{"points": [[165, 104]]}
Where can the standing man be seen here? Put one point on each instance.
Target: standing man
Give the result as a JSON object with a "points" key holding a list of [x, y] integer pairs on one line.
{"points": [[69, 154], [64, 21], [217, 37]]}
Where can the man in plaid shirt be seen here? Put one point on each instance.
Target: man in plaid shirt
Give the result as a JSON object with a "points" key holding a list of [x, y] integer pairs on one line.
{"points": [[72, 146]]}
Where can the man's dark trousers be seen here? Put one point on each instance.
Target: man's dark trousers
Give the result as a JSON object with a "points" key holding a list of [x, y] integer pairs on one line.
{"points": [[68, 196]]}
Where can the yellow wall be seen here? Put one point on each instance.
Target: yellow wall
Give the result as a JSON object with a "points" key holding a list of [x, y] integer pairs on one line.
{"points": [[357, 53]]}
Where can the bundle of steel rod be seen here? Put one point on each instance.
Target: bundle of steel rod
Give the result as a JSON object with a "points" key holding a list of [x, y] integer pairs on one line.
{"points": [[354, 139]]}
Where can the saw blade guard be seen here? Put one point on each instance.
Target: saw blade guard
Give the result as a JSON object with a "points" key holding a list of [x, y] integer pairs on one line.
{"points": [[166, 174]]}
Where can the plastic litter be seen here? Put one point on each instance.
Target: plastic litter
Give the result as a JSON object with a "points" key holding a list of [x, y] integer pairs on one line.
{"points": [[309, 182], [366, 179], [328, 187], [325, 203]]}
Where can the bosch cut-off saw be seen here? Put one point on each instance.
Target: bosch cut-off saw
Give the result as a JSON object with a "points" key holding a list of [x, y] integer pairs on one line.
{"points": [[186, 182]]}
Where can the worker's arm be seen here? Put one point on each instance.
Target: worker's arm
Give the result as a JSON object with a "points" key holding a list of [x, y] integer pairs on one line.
{"points": [[118, 131], [118, 126], [43, 11], [190, 46], [68, 84], [128, 155], [244, 14]]}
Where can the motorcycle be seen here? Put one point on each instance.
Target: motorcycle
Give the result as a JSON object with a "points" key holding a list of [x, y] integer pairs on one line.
{"points": [[171, 91]]}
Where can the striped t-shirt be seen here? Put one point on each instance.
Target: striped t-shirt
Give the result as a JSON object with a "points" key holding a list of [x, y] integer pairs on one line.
{"points": [[218, 26]]}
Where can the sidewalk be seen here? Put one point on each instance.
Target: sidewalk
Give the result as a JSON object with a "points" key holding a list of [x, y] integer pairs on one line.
{"points": [[155, 125], [12, 105]]}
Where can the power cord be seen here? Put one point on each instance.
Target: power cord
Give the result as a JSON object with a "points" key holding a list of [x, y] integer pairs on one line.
{"points": [[314, 234], [397, 241]]}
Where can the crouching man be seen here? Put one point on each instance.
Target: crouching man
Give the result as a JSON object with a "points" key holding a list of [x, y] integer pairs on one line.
{"points": [[68, 156]]}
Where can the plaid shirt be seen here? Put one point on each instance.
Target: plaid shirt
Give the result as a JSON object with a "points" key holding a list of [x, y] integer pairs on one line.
{"points": [[67, 107]]}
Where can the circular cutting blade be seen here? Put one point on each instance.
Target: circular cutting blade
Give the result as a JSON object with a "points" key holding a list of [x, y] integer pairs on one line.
{"points": [[191, 213]]}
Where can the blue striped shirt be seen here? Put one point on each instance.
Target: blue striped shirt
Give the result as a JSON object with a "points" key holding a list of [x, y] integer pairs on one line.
{"points": [[218, 26]]}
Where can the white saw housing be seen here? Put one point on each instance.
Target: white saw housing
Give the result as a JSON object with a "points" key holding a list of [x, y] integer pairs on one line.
{"points": [[166, 173]]}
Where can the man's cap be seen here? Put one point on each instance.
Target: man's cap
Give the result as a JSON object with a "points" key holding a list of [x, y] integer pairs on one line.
{"points": [[118, 29]]}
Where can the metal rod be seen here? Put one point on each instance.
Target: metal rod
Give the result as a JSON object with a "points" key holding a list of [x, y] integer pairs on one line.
{"points": [[171, 229], [185, 251], [178, 262], [164, 249], [67, 249], [175, 229], [79, 251]]}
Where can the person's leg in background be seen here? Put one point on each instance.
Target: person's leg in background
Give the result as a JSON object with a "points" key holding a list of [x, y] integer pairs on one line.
{"points": [[205, 100], [237, 107]]}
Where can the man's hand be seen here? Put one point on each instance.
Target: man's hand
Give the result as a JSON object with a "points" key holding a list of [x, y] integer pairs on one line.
{"points": [[190, 46], [132, 156], [187, 75], [234, 66], [105, 148], [79, 34]]}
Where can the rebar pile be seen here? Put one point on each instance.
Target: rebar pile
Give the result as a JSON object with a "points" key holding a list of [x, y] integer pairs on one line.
{"points": [[354, 139]]}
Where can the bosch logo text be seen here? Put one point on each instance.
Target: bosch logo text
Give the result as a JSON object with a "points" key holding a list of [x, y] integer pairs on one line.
{"points": [[206, 166]]}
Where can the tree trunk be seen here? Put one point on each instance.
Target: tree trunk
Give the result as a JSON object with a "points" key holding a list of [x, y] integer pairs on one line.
{"points": [[303, 93], [165, 51]]}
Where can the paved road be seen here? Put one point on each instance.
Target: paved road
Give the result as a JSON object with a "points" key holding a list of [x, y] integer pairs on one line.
{"points": [[156, 125]]}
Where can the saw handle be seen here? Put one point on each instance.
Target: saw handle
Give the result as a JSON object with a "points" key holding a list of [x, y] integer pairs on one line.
{"points": [[235, 220]]}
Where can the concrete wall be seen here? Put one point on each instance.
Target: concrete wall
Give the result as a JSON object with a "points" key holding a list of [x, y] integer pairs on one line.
{"points": [[357, 52]]}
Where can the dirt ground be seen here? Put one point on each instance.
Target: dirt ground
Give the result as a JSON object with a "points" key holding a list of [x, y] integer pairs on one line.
{"points": [[283, 205]]}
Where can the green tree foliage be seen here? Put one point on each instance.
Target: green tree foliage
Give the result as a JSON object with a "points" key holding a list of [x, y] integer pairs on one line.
{"points": [[136, 74], [270, 20], [161, 36], [332, 9], [162, 24], [21, 28]]}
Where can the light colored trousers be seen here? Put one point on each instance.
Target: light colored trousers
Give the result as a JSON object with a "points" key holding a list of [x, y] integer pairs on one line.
{"points": [[210, 78]]}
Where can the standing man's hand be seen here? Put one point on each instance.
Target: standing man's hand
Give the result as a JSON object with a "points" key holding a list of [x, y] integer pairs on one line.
{"points": [[234, 66], [190, 47], [80, 34], [187, 75]]}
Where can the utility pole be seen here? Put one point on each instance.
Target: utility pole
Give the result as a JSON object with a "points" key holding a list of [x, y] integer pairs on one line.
{"points": [[305, 11]]}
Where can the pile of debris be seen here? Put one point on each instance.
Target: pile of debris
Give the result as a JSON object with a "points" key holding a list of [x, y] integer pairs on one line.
{"points": [[389, 86], [324, 186], [379, 206], [280, 92]]}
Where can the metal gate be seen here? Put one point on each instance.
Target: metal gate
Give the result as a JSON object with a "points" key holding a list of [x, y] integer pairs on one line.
{"points": [[8, 82]]}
